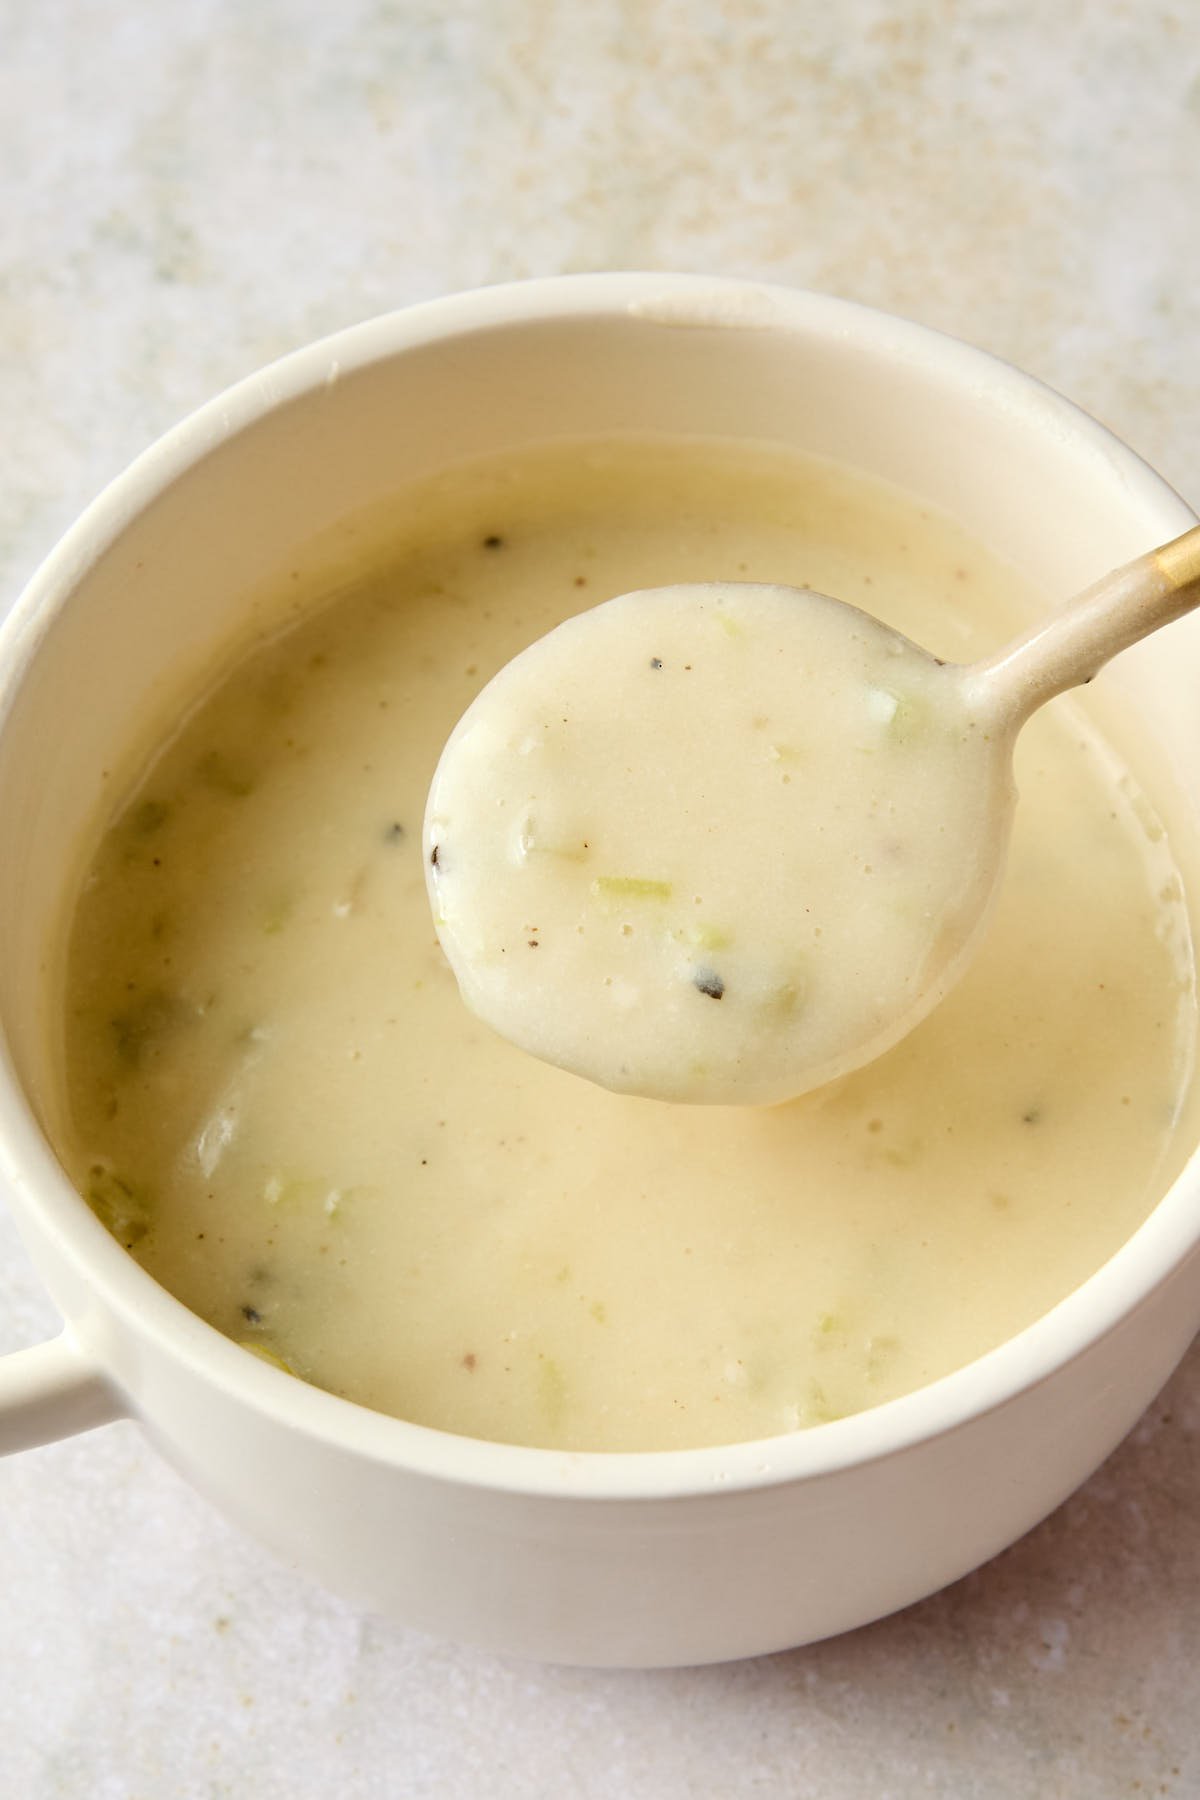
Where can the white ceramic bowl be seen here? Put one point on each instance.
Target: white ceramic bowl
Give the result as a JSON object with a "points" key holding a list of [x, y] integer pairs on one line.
{"points": [[609, 1559]]}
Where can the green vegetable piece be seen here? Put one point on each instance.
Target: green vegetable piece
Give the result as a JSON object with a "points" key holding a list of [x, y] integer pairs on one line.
{"points": [[630, 887], [533, 841], [281, 1189], [265, 1354], [903, 717], [313, 1194], [122, 1206], [911, 722], [568, 852], [139, 1030], [705, 937], [821, 1410], [782, 1001]]}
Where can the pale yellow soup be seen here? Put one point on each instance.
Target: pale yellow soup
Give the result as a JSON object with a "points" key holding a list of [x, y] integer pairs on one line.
{"points": [[276, 1100]]}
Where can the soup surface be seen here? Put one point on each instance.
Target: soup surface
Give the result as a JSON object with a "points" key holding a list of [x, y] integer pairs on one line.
{"points": [[275, 1098]]}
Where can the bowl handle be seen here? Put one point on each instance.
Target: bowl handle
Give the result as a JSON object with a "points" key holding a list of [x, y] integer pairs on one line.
{"points": [[52, 1391]]}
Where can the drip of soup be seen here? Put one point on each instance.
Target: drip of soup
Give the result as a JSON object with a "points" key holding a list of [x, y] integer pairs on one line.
{"points": [[275, 1098], [716, 842]]}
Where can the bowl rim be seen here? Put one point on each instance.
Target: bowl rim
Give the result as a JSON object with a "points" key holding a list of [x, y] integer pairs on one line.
{"points": [[40, 1187]]}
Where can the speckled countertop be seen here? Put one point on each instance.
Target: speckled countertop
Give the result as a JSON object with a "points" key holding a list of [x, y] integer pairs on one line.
{"points": [[192, 187]]}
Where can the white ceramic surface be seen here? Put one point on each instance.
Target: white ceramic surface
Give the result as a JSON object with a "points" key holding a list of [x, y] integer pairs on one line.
{"points": [[607, 1559]]}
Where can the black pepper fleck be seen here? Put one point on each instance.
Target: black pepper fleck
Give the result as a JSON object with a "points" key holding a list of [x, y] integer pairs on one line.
{"points": [[493, 541], [656, 662], [709, 982], [252, 1315]]}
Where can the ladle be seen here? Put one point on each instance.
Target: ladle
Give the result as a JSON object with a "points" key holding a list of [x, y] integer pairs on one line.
{"points": [[727, 841]]}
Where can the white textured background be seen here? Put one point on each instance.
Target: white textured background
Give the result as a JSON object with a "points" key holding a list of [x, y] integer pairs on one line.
{"points": [[189, 188]]}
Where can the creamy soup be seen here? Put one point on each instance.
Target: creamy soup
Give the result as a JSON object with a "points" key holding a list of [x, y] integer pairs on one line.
{"points": [[275, 1098], [721, 841]]}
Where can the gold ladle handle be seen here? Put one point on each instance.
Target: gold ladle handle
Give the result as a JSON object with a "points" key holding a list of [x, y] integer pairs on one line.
{"points": [[1071, 646]]}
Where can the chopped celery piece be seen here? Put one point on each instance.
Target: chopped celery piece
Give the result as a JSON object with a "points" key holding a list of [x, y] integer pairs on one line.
{"points": [[552, 1391], [820, 1409], [904, 717], [709, 937], [630, 887], [312, 1194], [531, 843], [292, 1190], [911, 720], [141, 1029], [265, 1354], [121, 1206], [783, 1000]]}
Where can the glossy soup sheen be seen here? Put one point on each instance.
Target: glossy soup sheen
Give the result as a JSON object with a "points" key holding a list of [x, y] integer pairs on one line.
{"points": [[275, 1098]]}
